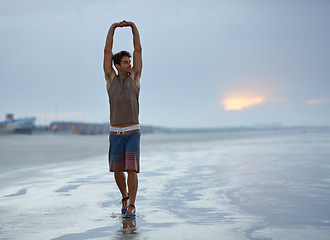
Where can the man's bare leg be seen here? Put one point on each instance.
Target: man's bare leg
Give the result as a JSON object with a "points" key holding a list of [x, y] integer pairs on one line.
{"points": [[121, 183], [120, 178], [132, 183]]}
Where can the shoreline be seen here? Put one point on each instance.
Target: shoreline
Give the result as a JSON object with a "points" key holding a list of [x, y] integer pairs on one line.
{"points": [[192, 186]]}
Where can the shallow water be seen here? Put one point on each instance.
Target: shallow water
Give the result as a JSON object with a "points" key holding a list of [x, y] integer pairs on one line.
{"points": [[223, 185]]}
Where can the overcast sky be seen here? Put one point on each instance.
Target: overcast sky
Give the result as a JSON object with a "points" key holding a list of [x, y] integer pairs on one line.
{"points": [[206, 63]]}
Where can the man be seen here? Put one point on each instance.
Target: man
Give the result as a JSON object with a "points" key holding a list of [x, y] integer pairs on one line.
{"points": [[123, 90]]}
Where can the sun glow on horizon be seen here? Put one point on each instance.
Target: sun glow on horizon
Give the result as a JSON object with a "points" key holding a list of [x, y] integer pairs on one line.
{"points": [[240, 103], [317, 101]]}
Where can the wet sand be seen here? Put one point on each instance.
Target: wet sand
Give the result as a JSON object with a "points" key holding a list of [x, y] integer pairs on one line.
{"points": [[239, 185]]}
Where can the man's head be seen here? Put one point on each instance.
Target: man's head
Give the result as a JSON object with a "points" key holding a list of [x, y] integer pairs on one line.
{"points": [[122, 61]]}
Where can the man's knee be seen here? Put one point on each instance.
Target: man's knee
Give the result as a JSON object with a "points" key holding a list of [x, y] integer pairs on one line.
{"points": [[119, 174], [131, 172]]}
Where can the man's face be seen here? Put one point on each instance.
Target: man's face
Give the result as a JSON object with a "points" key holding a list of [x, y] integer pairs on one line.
{"points": [[125, 65]]}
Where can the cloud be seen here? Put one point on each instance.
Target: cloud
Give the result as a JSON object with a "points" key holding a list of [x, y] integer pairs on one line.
{"points": [[244, 51], [279, 100], [317, 101], [240, 103]]}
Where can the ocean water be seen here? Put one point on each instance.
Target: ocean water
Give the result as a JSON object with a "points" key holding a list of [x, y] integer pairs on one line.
{"points": [[220, 185]]}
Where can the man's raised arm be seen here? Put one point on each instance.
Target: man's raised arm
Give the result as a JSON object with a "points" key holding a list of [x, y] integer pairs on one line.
{"points": [[137, 53], [107, 62]]}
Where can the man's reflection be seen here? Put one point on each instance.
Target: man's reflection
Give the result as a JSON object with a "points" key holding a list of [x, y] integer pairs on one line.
{"points": [[129, 226]]}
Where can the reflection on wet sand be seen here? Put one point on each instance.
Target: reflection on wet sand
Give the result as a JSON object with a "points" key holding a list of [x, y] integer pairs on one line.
{"points": [[129, 227]]}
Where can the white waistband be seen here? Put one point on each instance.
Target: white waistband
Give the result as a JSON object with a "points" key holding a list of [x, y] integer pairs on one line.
{"points": [[124, 129]]}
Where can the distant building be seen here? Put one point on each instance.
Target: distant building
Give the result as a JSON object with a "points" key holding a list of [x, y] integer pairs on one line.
{"points": [[21, 125]]}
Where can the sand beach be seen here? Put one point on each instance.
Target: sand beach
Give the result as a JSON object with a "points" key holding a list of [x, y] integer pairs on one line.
{"points": [[269, 184]]}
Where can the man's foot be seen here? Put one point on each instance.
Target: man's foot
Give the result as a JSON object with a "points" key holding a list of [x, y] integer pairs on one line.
{"points": [[130, 213], [124, 205]]}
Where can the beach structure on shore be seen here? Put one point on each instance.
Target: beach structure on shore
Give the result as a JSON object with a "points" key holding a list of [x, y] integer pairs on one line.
{"points": [[79, 128], [86, 128], [20, 125]]}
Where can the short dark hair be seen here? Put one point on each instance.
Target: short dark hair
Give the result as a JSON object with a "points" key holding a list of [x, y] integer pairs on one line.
{"points": [[118, 56]]}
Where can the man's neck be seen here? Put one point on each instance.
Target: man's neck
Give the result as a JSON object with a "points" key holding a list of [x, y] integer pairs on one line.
{"points": [[122, 76]]}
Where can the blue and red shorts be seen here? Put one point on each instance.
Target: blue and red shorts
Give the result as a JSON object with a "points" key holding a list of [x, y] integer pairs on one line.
{"points": [[124, 151]]}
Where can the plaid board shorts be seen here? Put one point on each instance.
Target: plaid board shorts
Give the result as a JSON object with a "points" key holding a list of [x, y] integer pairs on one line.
{"points": [[124, 151]]}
